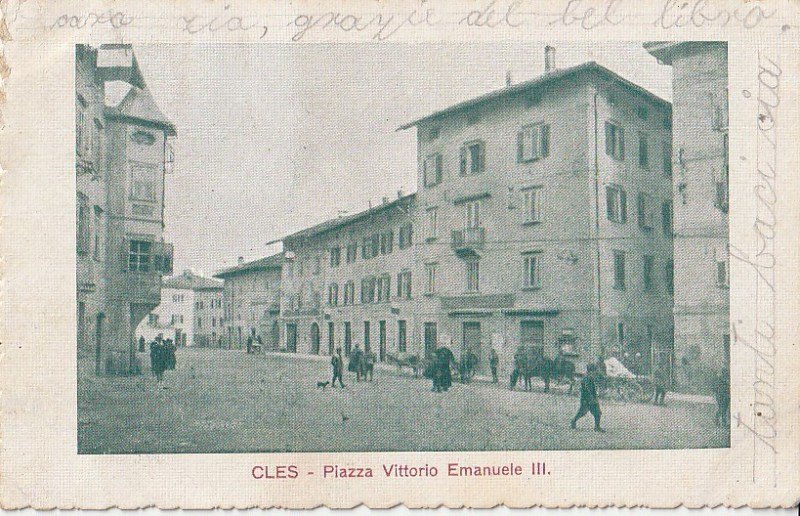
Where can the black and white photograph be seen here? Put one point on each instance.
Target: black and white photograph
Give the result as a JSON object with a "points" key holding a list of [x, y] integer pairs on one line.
{"points": [[454, 246]]}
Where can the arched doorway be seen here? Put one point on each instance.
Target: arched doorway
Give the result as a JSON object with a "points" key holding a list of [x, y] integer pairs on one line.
{"points": [[314, 338]]}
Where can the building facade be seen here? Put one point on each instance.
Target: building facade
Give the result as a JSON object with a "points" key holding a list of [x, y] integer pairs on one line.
{"points": [[190, 312], [122, 154], [544, 212], [251, 302], [349, 282], [700, 164]]}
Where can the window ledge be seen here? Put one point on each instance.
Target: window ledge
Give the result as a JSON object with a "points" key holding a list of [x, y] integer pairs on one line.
{"points": [[532, 223]]}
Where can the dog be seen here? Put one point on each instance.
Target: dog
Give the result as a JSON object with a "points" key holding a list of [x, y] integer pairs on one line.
{"points": [[322, 385]]}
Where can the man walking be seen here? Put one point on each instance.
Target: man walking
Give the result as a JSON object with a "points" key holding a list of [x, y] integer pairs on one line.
{"points": [[494, 361], [661, 378], [338, 368], [589, 401]]}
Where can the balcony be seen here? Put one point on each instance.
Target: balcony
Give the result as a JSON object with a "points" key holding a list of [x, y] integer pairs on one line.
{"points": [[467, 241]]}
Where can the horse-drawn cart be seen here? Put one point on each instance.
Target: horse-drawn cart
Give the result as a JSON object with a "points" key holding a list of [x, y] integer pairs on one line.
{"points": [[620, 384]]}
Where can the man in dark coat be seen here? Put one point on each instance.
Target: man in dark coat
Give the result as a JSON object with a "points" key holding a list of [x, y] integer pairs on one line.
{"points": [[337, 364], [661, 380], [249, 344], [442, 376], [356, 364], [157, 358], [589, 401], [722, 394], [494, 361]]}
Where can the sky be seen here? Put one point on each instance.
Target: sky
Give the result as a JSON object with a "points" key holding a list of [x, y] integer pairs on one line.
{"points": [[274, 138]]}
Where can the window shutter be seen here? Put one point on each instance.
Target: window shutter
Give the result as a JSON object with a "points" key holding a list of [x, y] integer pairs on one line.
{"points": [[463, 161], [399, 284], [609, 142], [621, 135], [520, 144], [124, 253], [609, 203], [641, 210], [425, 179], [545, 136], [482, 157], [439, 168], [623, 206]]}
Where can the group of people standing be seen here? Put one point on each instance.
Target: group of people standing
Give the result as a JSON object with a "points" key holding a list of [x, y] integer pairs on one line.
{"points": [[162, 355], [361, 362]]}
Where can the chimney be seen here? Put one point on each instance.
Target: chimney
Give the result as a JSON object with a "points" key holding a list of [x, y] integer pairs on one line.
{"points": [[508, 78], [549, 59], [385, 200], [241, 260], [400, 193]]}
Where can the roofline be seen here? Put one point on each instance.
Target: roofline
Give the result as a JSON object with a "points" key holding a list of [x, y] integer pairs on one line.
{"points": [[317, 230], [535, 83], [249, 267], [665, 51], [111, 113]]}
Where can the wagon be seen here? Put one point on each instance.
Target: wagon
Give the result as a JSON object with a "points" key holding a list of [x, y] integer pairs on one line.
{"points": [[621, 384]]}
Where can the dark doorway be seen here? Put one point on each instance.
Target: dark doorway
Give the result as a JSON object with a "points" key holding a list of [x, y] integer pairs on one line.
{"points": [[531, 333], [382, 340], [471, 341], [348, 338], [98, 339], [330, 338], [291, 338], [314, 339], [366, 337]]}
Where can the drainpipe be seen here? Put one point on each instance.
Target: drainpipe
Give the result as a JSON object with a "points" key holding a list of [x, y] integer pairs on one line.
{"points": [[597, 224]]}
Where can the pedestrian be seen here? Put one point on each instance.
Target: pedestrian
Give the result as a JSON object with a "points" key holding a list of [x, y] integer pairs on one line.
{"points": [[442, 376], [494, 361], [157, 358], [661, 380], [369, 364], [589, 401], [722, 394], [170, 348], [337, 364], [249, 344], [356, 364]]}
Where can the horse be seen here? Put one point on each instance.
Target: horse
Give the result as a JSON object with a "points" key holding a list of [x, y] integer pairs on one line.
{"points": [[530, 362]]}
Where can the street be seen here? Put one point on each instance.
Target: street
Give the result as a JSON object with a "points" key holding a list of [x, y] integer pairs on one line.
{"points": [[227, 402]]}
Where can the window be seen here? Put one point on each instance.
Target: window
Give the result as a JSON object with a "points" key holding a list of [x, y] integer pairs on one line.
{"points": [[333, 294], [643, 150], [213, 322], [615, 141], [402, 336], [721, 192], [533, 142], [317, 265], [430, 279], [472, 215], [431, 223], [621, 335], [366, 248], [473, 275], [645, 211], [722, 273], [98, 233], [533, 202], [616, 204], [669, 275], [433, 133], [143, 183], [666, 218], [139, 255], [619, 270], [84, 225], [199, 322], [406, 236], [349, 293], [384, 288], [375, 243], [404, 284], [432, 169], [647, 271], [352, 252], [336, 256], [387, 242], [641, 112], [368, 289], [666, 158], [473, 158], [530, 268], [366, 335]]}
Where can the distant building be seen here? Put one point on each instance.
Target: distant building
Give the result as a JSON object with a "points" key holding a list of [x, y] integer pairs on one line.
{"points": [[122, 153], [251, 301], [700, 164], [190, 312], [348, 282], [545, 216]]}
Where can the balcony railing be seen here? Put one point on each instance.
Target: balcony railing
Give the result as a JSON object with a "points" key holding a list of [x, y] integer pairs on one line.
{"points": [[468, 239]]}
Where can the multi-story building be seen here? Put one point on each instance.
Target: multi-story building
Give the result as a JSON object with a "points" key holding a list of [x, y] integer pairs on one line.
{"points": [[251, 301], [544, 211], [700, 164], [122, 153], [190, 312], [348, 282]]}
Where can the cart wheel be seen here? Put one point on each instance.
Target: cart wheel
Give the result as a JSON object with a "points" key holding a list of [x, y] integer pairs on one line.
{"points": [[648, 392], [631, 391]]}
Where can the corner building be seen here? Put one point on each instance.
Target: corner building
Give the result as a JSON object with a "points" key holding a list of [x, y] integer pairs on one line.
{"points": [[700, 161], [349, 281], [545, 218]]}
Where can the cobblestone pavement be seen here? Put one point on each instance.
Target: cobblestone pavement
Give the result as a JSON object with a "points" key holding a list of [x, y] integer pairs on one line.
{"points": [[228, 401]]}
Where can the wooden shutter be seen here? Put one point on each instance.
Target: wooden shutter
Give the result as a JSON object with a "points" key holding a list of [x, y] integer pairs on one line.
{"points": [[439, 168], [520, 146], [481, 157], [463, 168], [609, 203], [623, 206], [544, 134], [609, 141], [621, 137], [642, 210]]}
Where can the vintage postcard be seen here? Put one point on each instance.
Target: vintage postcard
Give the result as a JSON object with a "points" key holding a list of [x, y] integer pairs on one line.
{"points": [[461, 253]]}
